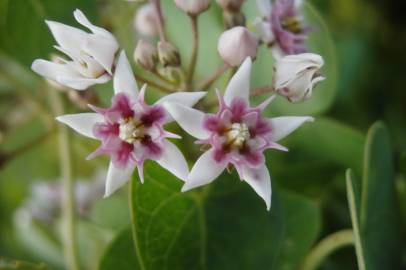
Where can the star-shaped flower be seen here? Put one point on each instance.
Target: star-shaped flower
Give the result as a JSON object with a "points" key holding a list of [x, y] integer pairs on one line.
{"points": [[237, 135], [131, 131]]}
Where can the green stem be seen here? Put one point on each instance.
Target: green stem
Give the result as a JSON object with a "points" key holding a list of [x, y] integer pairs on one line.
{"points": [[157, 5], [195, 49], [213, 77], [68, 205], [153, 84], [327, 246]]}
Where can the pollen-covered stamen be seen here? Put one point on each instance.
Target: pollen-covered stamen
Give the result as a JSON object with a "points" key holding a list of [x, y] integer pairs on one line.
{"points": [[131, 130], [292, 24], [237, 135]]}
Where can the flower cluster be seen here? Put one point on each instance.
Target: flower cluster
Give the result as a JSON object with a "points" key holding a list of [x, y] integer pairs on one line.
{"points": [[132, 131]]}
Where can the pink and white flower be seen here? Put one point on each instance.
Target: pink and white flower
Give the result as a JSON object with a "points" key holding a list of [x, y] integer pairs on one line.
{"points": [[92, 55], [131, 131], [237, 134], [281, 27]]}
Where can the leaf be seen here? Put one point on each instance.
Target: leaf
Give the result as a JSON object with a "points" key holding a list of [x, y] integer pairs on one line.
{"points": [[120, 254], [20, 265], [374, 211], [222, 226], [25, 34]]}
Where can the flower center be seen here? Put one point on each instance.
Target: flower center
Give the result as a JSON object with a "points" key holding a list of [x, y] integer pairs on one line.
{"points": [[131, 130], [292, 24], [238, 135]]}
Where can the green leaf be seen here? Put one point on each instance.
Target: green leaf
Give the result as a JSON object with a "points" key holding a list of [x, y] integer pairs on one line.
{"points": [[20, 265], [120, 254], [25, 35], [373, 207], [221, 226]]}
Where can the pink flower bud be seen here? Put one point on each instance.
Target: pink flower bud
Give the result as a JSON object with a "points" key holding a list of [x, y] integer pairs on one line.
{"points": [[231, 5], [146, 55], [146, 21], [237, 44], [168, 54], [193, 7]]}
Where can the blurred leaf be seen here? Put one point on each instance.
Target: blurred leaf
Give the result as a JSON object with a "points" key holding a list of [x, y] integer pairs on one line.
{"points": [[226, 228], [20, 265], [22, 23], [374, 210], [121, 253]]}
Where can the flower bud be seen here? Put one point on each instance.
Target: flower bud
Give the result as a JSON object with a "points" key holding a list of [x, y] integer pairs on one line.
{"points": [[145, 55], [237, 44], [231, 5], [193, 7], [296, 75], [233, 19], [168, 54], [146, 21]]}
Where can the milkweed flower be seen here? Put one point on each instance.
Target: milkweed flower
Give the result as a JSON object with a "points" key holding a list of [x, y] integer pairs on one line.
{"points": [[146, 21], [237, 134], [91, 55], [131, 131], [281, 26], [296, 75]]}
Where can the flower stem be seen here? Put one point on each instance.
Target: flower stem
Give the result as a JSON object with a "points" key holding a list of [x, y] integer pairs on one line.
{"points": [[153, 84], [262, 90], [68, 204], [212, 78], [195, 49], [157, 5], [327, 246]]}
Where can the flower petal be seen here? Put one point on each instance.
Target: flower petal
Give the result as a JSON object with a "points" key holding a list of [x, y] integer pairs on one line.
{"points": [[116, 178], [81, 18], [82, 123], [102, 49], [173, 160], [67, 36], [205, 170], [264, 7], [52, 71], [239, 85], [284, 125], [260, 180], [82, 83], [189, 119], [124, 81]]}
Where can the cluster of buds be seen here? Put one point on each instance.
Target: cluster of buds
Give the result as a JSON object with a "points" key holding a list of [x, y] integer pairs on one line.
{"points": [[232, 12]]}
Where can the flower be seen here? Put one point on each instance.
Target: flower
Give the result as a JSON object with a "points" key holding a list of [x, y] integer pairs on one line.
{"points": [[237, 135], [237, 44], [146, 55], [193, 7], [131, 131], [92, 55], [146, 21], [296, 75], [281, 26]]}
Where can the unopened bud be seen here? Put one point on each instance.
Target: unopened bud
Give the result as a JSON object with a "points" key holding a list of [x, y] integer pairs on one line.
{"points": [[237, 44], [146, 55], [146, 21], [233, 19], [168, 54], [193, 7], [231, 5]]}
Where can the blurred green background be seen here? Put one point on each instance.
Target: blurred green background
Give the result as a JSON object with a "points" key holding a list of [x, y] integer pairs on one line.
{"points": [[363, 42]]}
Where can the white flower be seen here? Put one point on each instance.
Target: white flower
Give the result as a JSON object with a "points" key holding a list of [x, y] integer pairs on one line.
{"points": [[131, 131], [92, 55], [237, 135], [236, 44], [296, 75], [193, 7], [146, 21]]}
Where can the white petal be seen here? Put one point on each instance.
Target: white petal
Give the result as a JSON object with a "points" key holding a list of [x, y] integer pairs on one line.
{"points": [[239, 85], [264, 30], [188, 99], [189, 119], [205, 170], [67, 36], [102, 49], [173, 160], [124, 81], [82, 83], [116, 178], [260, 180], [51, 70], [82, 123], [81, 18], [264, 7], [284, 125]]}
